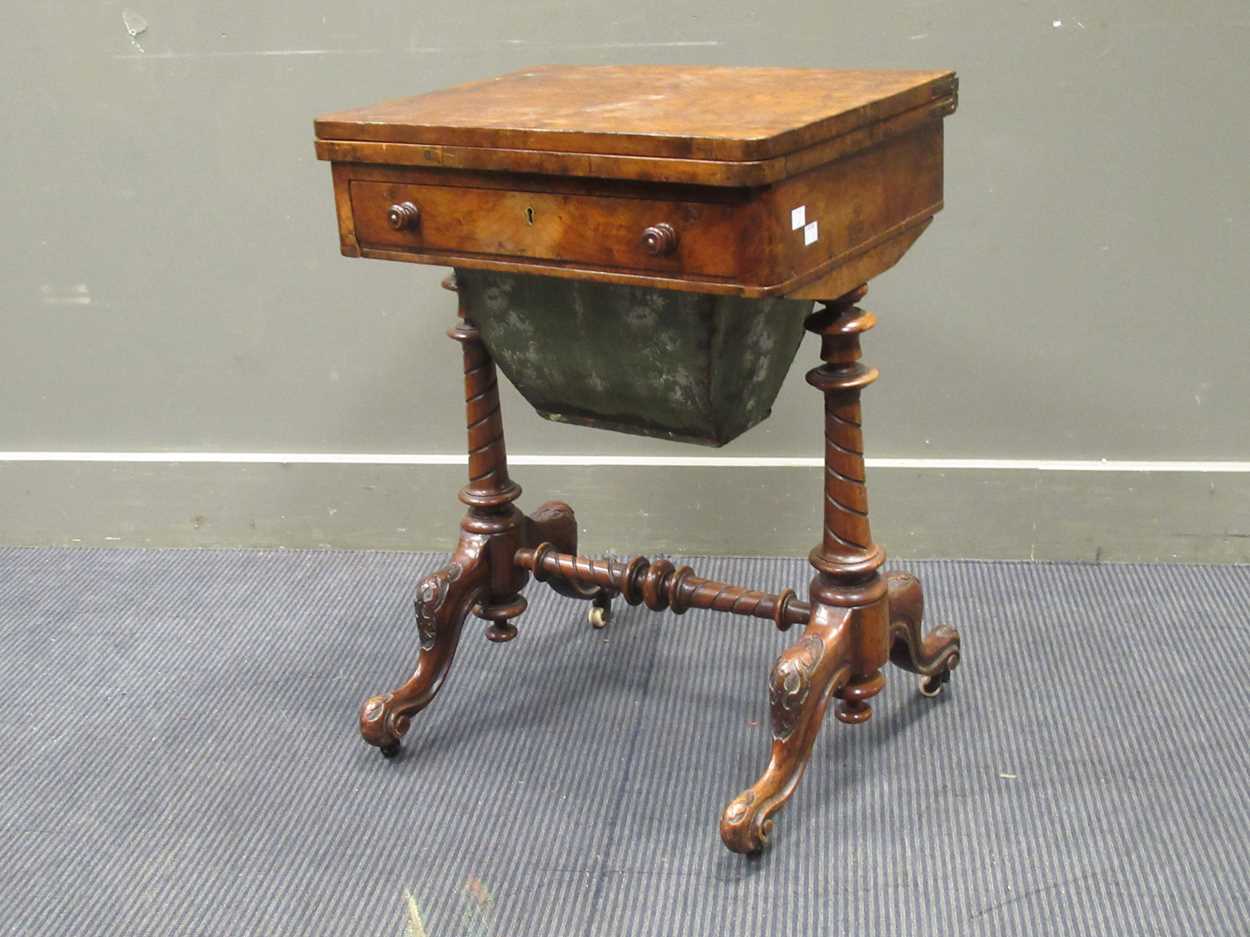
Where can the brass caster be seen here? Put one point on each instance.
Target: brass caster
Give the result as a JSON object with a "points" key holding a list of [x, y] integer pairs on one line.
{"points": [[932, 686], [599, 616]]}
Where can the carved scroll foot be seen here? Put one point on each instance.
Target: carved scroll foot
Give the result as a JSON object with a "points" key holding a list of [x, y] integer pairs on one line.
{"points": [[802, 681], [444, 600], [555, 523], [934, 655]]}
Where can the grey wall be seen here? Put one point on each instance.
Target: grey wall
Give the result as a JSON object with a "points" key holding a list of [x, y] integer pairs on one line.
{"points": [[173, 283]]}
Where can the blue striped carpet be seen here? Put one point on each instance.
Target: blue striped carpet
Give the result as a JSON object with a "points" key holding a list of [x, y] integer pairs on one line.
{"points": [[178, 755]]}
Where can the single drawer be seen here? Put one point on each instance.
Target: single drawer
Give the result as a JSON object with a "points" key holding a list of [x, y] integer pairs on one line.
{"points": [[625, 233]]}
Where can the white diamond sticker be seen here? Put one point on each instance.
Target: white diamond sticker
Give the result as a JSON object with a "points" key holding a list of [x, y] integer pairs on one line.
{"points": [[810, 234], [798, 217]]}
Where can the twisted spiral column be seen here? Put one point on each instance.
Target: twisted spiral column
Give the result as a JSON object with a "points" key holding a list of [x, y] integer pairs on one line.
{"points": [[489, 485], [490, 491], [846, 551], [847, 560]]}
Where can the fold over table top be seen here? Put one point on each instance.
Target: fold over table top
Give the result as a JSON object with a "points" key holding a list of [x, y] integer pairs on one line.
{"points": [[753, 182], [651, 113]]}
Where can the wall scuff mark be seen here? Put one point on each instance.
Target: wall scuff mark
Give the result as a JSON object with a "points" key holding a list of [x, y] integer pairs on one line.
{"points": [[136, 26]]}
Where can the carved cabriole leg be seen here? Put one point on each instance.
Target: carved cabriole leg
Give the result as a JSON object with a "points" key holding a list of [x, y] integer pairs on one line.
{"points": [[555, 523], [802, 680], [846, 640], [444, 600], [481, 576], [932, 656]]}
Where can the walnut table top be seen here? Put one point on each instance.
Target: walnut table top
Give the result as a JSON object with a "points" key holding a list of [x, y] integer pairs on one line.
{"points": [[744, 181]]}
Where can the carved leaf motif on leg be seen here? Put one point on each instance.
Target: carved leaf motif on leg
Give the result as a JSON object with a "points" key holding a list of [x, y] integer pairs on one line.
{"points": [[444, 600], [790, 684], [800, 684], [431, 596]]}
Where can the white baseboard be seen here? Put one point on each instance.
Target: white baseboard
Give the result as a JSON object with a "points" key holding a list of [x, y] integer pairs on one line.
{"points": [[1152, 511], [170, 457]]}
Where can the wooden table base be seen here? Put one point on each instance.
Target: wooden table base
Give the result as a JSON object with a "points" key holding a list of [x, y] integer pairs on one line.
{"points": [[856, 618]]}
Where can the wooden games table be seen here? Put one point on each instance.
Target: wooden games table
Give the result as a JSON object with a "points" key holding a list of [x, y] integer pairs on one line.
{"points": [[640, 249]]}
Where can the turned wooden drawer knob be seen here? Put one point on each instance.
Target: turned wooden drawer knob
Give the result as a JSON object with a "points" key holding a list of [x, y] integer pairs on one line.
{"points": [[403, 216], [659, 240]]}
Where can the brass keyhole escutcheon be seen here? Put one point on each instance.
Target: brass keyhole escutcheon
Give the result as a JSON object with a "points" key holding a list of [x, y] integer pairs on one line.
{"points": [[529, 216]]}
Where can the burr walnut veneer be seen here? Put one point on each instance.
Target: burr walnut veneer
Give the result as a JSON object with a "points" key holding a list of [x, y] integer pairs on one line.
{"points": [[594, 215]]}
